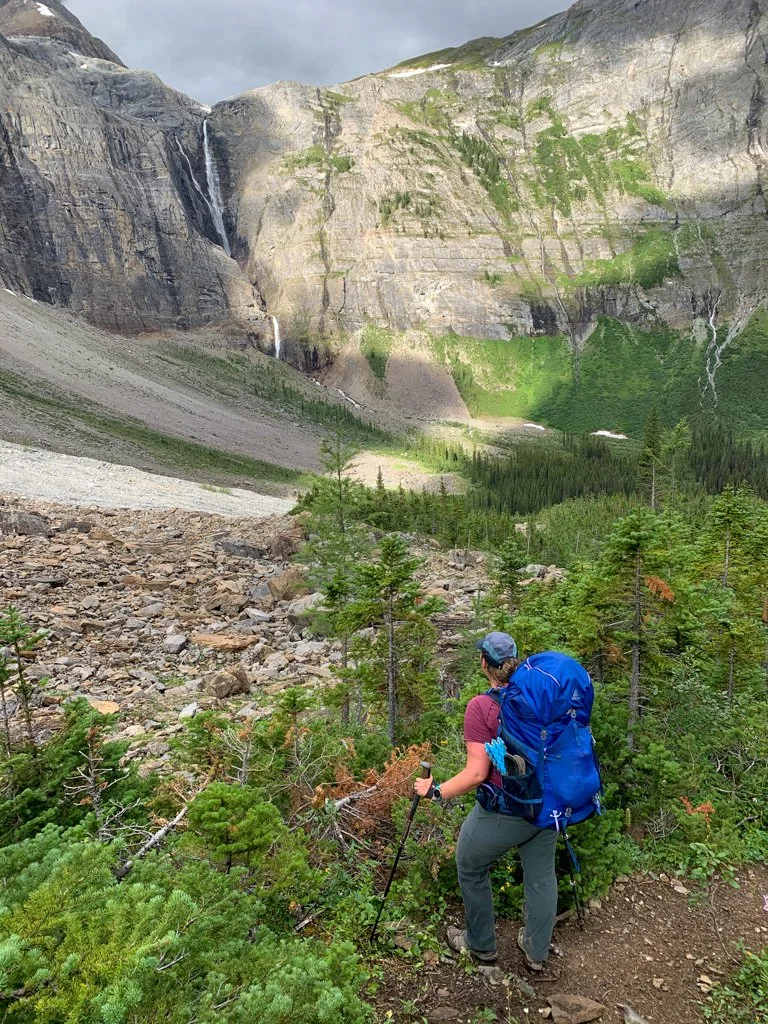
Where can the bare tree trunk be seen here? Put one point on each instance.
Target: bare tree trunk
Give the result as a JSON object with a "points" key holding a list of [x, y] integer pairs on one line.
{"points": [[731, 672], [152, 842], [6, 722], [391, 672], [634, 679], [727, 560], [344, 664]]}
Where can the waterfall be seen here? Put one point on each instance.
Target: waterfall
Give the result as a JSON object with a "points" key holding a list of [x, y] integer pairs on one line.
{"points": [[214, 191], [278, 340]]}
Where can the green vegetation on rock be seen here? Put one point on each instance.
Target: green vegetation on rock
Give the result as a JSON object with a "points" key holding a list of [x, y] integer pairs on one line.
{"points": [[650, 261], [376, 344]]}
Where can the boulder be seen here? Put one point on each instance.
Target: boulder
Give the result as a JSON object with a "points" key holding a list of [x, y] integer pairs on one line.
{"points": [[238, 548], [303, 606], [260, 592], [23, 524], [188, 712], [104, 707], [570, 1009], [286, 545], [175, 644], [227, 604], [228, 682], [288, 585]]}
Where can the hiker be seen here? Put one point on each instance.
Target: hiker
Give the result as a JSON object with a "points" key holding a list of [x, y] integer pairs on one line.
{"points": [[487, 834]]}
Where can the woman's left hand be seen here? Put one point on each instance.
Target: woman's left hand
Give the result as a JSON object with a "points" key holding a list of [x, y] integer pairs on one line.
{"points": [[423, 786]]}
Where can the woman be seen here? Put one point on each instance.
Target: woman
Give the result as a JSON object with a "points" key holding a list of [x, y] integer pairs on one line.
{"points": [[487, 834]]}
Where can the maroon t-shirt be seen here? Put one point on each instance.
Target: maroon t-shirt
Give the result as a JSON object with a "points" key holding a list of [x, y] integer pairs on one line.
{"points": [[481, 725]]}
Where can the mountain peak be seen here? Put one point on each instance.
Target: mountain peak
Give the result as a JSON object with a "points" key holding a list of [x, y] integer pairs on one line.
{"points": [[51, 20]]}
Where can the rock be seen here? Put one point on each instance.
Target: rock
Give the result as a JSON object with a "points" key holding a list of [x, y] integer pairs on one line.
{"points": [[260, 592], [288, 585], [228, 683], [457, 560], [90, 602], [238, 548], [286, 545], [104, 707], [444, 1013], [227, 604], [153, 611], [308, 648], [304, 606], [23, 524], [175, 644], [188, 712], [570, 1009], [132, 731], [276, 662], [258, 616], [631, 1016], [224, 643]]}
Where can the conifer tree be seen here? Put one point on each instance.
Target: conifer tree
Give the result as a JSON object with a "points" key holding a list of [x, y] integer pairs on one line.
{"points": [[397, 664], [339, 541], [650, 459]]}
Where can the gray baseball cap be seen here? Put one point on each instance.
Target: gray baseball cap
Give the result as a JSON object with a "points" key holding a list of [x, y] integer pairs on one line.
{"points": [[497, 647]]}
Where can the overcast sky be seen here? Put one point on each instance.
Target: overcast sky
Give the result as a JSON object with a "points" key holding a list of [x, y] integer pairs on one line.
{"points": [[213, 49]]}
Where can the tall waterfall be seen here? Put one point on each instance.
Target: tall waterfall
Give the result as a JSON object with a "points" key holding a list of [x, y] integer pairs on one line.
{"points": [[278, 340], [214, 191]]}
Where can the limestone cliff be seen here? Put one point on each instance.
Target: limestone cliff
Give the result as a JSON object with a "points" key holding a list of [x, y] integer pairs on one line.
{"points": [[103, 196], [611, 160]]}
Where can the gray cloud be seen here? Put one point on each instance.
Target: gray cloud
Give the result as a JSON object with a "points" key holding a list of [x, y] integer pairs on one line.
{"points": [[212, 49]]}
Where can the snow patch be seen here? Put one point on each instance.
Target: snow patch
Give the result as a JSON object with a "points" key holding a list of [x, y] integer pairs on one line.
{"points": [[204, 108], [45, 11], [10, 292], [534, 426], [417, 71], [608, 433]]}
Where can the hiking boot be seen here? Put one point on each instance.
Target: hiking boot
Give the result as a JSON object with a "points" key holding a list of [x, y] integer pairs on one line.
{"points": [[533, 965], [457, 940]]}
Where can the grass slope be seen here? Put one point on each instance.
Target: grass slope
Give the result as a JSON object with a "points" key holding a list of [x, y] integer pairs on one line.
{"points": [[620, 376]]}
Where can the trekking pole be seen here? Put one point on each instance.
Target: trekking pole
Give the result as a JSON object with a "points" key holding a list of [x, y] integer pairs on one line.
{"points": [[426, 771], [573, 868]]}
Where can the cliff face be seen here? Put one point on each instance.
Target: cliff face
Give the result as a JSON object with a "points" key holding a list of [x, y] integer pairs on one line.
{"points": [[103, 197], [610, 161]]}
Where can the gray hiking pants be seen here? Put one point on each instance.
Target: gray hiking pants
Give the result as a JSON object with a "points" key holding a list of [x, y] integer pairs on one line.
{"points": [[484, 838]]}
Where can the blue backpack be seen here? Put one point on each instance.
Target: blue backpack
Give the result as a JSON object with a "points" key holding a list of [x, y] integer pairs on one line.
{"points": [[545, 713]]}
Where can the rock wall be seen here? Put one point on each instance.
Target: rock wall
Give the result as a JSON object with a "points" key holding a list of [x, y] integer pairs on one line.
{"points": [[610, 161], [103, 204]]}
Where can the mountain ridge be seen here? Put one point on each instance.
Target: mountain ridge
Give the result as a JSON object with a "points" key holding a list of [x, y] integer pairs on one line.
{"points": [[606, 164]]}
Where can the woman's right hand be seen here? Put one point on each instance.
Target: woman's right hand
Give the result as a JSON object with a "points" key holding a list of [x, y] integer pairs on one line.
{"points": [[423, 786]]}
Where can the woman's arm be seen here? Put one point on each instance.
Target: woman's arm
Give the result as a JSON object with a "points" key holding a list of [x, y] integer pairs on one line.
{"points": [[476, 772]]}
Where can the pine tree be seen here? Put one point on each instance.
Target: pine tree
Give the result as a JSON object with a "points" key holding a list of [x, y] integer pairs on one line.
{"points": [[389, 601], [650, 459], [339, 542]]}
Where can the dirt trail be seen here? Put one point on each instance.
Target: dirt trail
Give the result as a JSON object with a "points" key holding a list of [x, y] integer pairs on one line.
{"points": [[645, 945], [32, 473]]}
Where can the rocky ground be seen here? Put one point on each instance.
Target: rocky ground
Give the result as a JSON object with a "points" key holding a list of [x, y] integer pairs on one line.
{"points": [[161, 614]]}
